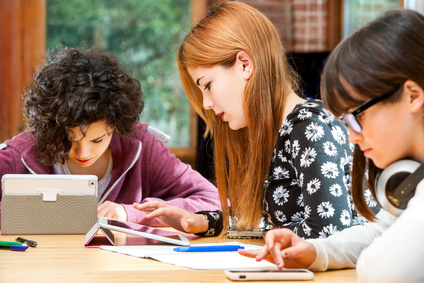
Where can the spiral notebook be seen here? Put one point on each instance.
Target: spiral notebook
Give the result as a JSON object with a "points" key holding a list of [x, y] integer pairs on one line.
{"points": [[194, 260]]}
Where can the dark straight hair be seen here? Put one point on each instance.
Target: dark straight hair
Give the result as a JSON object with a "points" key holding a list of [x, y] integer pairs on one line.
{"points": [[371, 61]]}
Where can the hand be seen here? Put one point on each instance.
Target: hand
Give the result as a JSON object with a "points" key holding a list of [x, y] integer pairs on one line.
{"points": [[284, 248], [174, 216], [112, 210]]}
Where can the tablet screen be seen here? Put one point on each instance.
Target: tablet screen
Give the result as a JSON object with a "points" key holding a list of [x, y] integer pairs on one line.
{"points": [[149, 235]]}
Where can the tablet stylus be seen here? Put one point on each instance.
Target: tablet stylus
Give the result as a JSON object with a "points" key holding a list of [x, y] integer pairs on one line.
{"points": [[223, 248]]}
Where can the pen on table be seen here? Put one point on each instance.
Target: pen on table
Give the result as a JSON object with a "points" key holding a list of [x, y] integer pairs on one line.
{"points": [[30, 243], [7, 243], [16, 247], [224, 248]]}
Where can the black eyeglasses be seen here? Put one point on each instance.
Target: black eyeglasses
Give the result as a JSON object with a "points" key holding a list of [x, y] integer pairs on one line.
{"points": [[349, 119]]}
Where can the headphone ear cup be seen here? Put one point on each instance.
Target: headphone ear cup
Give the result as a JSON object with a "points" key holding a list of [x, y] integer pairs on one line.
{"points": [[388, 182]]}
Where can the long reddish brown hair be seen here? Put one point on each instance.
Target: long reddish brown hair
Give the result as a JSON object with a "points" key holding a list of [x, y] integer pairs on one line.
{"points": [[228, 28]]}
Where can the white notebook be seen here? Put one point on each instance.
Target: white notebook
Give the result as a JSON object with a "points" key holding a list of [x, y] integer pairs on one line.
{"points": [[194, 260]]}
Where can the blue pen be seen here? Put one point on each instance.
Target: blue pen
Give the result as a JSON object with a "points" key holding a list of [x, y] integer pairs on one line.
{"points": [[224, 248], [16, 247]]}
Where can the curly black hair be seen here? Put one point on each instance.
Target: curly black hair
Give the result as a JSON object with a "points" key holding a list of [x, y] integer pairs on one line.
{"points": [[75, 88]]}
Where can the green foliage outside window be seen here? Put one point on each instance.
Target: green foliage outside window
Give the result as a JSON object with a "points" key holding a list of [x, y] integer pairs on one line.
{"points": [[359, 12], [144, 34]]}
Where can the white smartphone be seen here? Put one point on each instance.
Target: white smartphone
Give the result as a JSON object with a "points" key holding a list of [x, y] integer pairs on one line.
{"points": [[269, 274]]}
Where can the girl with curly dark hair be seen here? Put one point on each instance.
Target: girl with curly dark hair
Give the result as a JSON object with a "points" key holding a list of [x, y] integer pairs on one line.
{"points": [[82, 112]]}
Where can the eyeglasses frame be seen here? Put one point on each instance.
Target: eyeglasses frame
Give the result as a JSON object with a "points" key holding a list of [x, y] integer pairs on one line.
{"points": [[362, 108]]}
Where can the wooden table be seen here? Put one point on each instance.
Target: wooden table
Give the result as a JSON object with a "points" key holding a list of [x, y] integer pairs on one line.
{"points": [[63, 258]]}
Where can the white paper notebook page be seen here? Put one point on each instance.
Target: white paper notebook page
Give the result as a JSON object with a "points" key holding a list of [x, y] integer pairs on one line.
{"points": [[147, 250], [211, 260], [196, 260]]}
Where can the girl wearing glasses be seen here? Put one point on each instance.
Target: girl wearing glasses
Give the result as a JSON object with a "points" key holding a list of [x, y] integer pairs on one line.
{"points": [[276, 154], [374, 80]]}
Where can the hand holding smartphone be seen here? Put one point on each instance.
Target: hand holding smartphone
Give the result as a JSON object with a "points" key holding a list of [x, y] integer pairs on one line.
{"points": [[269, 274]]}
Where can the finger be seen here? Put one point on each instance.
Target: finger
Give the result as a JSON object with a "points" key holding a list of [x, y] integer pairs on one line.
{"points": [[248, 253], [190, 226], [100, 213], [290, 254], [144, 205], [297, 258], [102, 205], [276, 255], [281, 236], [156, 213], [152, 205], [148, 210], [262, 253], [102, 209], [270, 238], [185, 225], [109, 214], [136, 205]]}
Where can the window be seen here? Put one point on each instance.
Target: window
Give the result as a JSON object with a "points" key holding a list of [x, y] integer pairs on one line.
{"points": [[417, 5], [145, 35], [359, 12]]}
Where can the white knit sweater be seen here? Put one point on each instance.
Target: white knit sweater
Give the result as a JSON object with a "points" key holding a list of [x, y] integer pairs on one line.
{"points": [[388, 250]]}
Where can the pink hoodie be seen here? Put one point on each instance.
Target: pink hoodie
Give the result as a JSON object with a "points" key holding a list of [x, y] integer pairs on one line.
{"points": [[143, 170]]}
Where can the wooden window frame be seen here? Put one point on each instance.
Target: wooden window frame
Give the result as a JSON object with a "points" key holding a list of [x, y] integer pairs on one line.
{"points": [[22, 51]]}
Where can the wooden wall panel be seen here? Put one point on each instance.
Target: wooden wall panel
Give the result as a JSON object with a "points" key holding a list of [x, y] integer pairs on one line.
{"points": [[10, 67], [22, 48]]}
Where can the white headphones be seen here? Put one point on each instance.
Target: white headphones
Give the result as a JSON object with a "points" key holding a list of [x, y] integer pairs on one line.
{"points": [[396, 185]]}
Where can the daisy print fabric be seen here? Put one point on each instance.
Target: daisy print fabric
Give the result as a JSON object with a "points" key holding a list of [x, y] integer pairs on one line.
{"points": [[308, 186]]}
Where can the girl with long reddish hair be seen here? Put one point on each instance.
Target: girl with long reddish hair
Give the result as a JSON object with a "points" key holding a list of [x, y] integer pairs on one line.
{"points": [[277, 155]]}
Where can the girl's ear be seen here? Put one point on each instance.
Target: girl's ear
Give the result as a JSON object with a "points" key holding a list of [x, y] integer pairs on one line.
{"points": [[415, 95], [245, 62]]}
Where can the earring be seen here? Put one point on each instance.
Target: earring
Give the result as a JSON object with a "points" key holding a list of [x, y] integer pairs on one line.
{"points": [[245, 75]]}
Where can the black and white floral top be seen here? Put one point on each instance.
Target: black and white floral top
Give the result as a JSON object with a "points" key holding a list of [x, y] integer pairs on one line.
{"points": [[308, 188]]}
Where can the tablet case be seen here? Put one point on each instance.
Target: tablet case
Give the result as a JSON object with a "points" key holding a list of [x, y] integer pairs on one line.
{"points": [[48, 211], [31, 215], [94, 239]]}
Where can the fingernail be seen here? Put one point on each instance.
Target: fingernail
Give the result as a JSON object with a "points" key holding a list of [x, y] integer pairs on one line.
{"points": [[280, 265]]}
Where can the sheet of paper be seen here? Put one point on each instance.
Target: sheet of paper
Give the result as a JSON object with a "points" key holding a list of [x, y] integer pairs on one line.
{"points": [[194, 260]]}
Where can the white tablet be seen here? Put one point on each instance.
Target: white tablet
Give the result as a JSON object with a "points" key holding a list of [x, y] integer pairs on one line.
{"points": [[48, 185], [145, 232]]}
